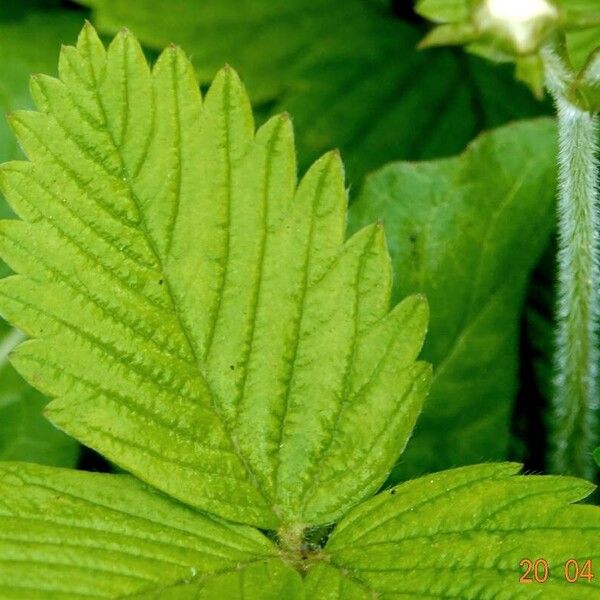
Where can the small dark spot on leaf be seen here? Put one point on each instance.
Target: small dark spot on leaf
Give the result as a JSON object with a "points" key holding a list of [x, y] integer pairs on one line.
{"points": [[232, 367], [160, 282], [413, 238], [392, 492]]}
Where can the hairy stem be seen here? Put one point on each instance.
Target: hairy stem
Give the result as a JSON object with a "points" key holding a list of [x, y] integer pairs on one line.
{"points": [[575, 402]]}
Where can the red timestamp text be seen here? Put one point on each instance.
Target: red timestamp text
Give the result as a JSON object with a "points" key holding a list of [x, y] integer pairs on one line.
{"points": [[572, 571]]}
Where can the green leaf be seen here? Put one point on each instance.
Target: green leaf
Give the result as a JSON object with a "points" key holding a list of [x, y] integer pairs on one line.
{"points": [[581, 45], [462, 534], [466, 232], [444, 11], [69, 535], [198, 316], [24, 433], [348, 72], [583, 39], [73, 535], [585, 89], [597, 455]]}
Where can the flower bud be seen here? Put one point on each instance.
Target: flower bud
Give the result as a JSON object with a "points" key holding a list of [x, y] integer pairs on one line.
{"points": [[518, 26]]}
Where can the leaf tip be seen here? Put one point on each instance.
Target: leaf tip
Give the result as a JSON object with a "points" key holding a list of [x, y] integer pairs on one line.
{"points": [[88, 30], [422, 306], [228, 73], [88, 39], [423, 44], [331, 160], [426, 371]]}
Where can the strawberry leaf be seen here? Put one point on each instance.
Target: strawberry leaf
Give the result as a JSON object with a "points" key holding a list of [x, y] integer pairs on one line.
{"points": [[200, 319], [197, 316], [462, 534], [68, 534]]}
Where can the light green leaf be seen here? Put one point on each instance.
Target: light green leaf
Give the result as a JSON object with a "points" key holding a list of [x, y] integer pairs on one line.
{"points": [[585, 88], [71, 535], [197, 316], [583, 16], [444, 11], [462, 534], [348, 72], [24, 433], [582, 44], [466, 232], [263, 580]]}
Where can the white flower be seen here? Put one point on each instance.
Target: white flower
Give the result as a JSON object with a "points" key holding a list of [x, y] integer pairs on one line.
{"points": [[521, 22]]}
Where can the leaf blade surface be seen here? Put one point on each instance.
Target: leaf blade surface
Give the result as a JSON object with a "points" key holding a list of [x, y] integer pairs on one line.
{"points": [[363, 87], [198, 317], [69, 534], [461, 534]]}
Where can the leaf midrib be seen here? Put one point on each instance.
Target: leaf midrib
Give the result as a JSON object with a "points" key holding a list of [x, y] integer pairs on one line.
{"points": [[143, 226], [300, 319]]}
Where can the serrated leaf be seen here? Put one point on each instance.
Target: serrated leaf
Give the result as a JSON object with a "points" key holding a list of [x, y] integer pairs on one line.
{"points": [[361, 86], [462, 534], [71, 535], [197, 316], [466, 232]]}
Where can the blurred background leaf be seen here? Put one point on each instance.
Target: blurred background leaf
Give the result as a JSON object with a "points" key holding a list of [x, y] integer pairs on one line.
{"points": [[467, 232], [24, 433], [529, 441], [348, 72]]}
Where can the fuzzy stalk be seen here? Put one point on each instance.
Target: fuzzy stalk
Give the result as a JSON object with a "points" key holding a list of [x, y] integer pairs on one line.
{"points": [[575, 404]]}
